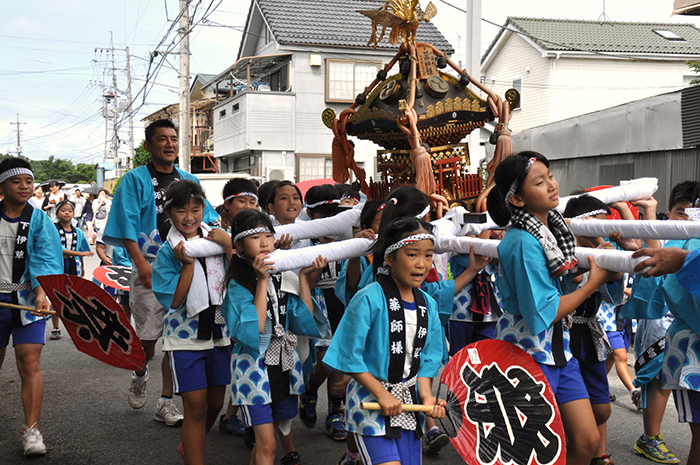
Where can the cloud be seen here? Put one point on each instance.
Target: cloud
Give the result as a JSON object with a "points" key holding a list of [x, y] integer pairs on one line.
{"points": [[23, 26]]}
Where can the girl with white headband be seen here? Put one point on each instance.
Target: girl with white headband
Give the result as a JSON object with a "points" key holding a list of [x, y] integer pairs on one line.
{"points": [[265, 313], [409, 202], [536, 251], [195, 337], [239, 194], [389, 341]]}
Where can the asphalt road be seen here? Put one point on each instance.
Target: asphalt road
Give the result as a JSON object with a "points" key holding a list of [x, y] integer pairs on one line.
{"points": [[85, 420]]}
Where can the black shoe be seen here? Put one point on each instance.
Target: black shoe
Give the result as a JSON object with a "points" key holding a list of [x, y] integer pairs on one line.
{"points": [[307, 410], [291, 458]]}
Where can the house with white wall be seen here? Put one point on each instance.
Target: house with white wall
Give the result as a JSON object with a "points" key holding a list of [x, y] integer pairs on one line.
{"points": [[296, 58], [565, 68]]}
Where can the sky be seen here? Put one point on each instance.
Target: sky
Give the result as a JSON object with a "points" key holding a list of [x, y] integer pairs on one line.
{"points": [[53, 67]]}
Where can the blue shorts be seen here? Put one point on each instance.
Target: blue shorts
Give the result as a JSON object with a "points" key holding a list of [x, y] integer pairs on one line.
{"points": [[463, 333], [33, 333], [270, 413], [595, 377], [380, 449], [687, 405], [566, 382], [200, 369], [619, 340]]}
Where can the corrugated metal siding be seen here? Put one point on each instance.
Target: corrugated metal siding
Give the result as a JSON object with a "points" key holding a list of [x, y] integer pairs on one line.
{"points": [[669, 166], [658, 165], [612, 174], [690, 115]]}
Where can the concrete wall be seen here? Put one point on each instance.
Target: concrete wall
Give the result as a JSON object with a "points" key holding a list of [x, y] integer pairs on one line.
{"points": [[263, 121], [670, 167]]}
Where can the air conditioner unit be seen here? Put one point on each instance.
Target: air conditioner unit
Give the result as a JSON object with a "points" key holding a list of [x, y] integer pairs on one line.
{"points": [[279, 173]]}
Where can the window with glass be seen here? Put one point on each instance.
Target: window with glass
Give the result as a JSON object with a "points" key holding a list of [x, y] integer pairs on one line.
{"points": [[346, 79], [315, 168]]}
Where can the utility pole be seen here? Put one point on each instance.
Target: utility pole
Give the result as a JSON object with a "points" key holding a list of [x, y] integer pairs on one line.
{"points": [[113, 93], [130, 110], [115, 111], [184, 115], [473, 64], [19, 145]]}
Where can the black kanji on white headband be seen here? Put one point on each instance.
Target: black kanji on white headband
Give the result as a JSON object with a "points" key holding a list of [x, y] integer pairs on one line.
{"points": [[406, 241], [12, 172], [241, 194], [251, 232]]}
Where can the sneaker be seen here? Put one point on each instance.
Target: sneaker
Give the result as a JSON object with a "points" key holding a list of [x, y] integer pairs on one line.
{"points": [[181, 451], [655, 449], [33, 442], [613, 397], [249, 438], [137, 393], [307, 410], [435, 440], [636, 396], [604, 460], [335, 427], [55, 334], [168, 413], [231, 425], [291, 458], [347, 460]]}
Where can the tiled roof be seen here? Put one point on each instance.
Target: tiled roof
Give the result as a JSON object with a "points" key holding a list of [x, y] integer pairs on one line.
{"points": [[606, 36], [335, 23]]}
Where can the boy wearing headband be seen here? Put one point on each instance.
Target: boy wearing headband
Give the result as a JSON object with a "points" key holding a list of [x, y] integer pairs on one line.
{"points": [[29, 247]]}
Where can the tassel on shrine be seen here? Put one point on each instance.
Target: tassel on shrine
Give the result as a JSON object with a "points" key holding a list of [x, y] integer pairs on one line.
{"points": [[425, 179], [339, 150]]}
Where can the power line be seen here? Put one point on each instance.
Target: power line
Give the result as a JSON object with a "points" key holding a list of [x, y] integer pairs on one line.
{"points": [[57, 40]]}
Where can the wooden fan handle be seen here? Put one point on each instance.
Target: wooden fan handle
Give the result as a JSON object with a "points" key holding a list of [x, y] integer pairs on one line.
{"points": [[404, 407], [29, 309]]}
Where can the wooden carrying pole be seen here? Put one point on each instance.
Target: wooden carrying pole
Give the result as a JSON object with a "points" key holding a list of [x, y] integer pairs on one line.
{"points": [[29, 309], [404, 407]]}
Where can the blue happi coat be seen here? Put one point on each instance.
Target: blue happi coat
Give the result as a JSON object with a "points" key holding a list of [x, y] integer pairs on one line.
{"points": [[361, 344], [681, 368], [250, 383], [44, 256], [133, 214], [530, 297]]}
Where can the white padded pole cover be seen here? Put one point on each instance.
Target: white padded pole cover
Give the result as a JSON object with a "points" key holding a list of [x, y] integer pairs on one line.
{"points": [[642, 229]]}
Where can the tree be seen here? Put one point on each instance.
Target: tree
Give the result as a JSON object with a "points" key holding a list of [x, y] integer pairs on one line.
{"points": [[695, 66], [86, 172], [57, 168], [141, 156]]}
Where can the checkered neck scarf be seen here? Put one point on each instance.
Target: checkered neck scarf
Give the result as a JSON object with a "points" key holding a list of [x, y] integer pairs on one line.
{"points": [[558, 241]]}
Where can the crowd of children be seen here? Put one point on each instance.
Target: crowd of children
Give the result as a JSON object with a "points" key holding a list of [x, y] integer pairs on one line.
{"points": [[373, 328]]}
